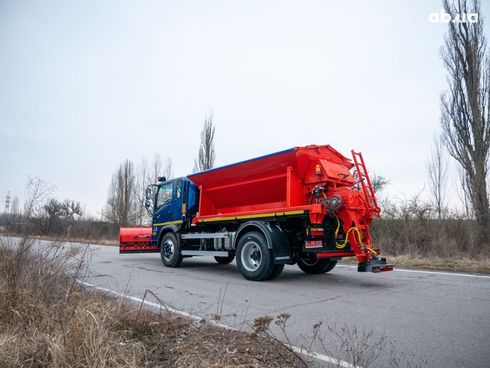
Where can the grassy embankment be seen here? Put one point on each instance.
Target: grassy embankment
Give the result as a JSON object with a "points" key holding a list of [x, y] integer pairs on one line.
{"points": [[48, 320]]}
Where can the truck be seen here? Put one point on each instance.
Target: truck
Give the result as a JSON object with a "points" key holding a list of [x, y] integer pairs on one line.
{"points": [[309, 206]]}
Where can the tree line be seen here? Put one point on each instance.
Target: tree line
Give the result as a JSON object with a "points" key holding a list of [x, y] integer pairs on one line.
{"points": [[42, 213]]}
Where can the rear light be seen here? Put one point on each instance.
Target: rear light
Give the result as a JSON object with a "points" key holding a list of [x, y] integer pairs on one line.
{"points": [[317, 231]]}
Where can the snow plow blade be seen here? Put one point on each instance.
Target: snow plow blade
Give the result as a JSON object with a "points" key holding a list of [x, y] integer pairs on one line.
{"points": [[136, 240]]}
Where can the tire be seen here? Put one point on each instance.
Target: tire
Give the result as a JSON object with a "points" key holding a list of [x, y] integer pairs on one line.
{"points": [[276, 272], [253, 257], [225, 260], [313, 265], [170, 251]]}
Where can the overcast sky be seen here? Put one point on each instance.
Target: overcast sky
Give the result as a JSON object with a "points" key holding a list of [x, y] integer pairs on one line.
{"points": [[85, 85]]}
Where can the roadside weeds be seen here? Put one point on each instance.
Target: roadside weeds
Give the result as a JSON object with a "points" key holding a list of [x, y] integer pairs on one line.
{"points": [[454, 264], [46, 320]]}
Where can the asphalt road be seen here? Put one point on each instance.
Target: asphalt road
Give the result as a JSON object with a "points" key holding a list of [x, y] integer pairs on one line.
{"points": [[439, 319]]}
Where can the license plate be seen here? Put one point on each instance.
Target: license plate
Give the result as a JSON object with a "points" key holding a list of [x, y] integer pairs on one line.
{"points": [[314, 244]]}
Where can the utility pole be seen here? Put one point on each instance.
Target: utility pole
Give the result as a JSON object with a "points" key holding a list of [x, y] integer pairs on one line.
{"points": [[7, 202]]}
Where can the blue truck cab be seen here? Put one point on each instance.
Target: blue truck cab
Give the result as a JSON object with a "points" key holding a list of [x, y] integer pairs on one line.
{"points": [[175, 202]]}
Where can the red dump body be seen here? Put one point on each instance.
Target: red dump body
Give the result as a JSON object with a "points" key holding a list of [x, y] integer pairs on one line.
{"points": [[312, 180], [281, 182]]}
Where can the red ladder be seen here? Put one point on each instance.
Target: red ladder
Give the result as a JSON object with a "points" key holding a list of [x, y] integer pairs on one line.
{"points": [[367, 187]]}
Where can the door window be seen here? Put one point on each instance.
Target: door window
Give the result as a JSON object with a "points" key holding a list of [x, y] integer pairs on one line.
{"points": [[178, 189], [164, 195]]}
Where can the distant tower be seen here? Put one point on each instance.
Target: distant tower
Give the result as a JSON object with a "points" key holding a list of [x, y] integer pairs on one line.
{"points": [[7, 202]]}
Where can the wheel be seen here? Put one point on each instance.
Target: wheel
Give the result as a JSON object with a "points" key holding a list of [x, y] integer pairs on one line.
{"points": [[170, 250], [276, 272], [225, 260], [309, 263], [254, 258]]}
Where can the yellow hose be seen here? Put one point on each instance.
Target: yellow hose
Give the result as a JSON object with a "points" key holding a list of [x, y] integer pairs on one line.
{"points": [[344, 243]]}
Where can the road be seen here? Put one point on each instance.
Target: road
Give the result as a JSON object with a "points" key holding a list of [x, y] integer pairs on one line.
{"points": [[441, 319]]}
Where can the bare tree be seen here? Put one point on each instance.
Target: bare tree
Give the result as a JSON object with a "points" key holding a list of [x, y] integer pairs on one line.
{"points": [[72, 210], [465, 115], [461, 187], [205, 160], [159, 168], [168, 168], [142, 181], [51, 216], [36, 193], [437, 167], [156, 169], [379, 183], [121, 204], [145, 176], [57, 216]]}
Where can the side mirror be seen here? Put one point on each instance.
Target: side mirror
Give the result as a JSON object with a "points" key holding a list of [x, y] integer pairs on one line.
{"points": [[148, 204]]}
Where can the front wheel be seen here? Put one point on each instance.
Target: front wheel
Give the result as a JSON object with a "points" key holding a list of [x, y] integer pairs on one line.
{"points": [[310, 263], [170, 250], [254, 258]]}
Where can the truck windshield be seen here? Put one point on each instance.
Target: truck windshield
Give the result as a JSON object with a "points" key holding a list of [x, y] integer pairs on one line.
{"points": [[164, 195]]}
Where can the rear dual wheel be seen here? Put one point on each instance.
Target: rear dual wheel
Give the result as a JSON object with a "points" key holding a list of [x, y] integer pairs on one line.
{"points": [[254, 258], [310, 263]]}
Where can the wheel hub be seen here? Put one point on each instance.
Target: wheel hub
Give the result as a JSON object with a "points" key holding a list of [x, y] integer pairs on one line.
{"points": [[251, 256], [168, 250]]}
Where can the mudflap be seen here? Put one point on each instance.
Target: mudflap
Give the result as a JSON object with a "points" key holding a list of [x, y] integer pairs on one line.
{"points": [[282, 256], [281, 251], [277, 241]]}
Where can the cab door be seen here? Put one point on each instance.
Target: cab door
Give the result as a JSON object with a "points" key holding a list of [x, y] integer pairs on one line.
{"points": [[168, 205]]}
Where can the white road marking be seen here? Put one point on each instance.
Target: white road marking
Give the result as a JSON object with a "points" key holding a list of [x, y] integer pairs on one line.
{"points": [[443, 273], [196, 318], [324, 358], [432, 272]]}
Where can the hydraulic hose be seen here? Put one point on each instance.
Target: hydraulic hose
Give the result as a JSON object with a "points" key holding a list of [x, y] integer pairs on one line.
{"points": [[355, 229]]}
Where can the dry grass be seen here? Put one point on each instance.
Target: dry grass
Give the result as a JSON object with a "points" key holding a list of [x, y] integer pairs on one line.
{"points": [[46, 320], [63, 239], [457, 263]]}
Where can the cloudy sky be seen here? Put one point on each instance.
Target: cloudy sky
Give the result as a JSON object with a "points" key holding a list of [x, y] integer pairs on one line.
{"points": [[85, 85]]}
